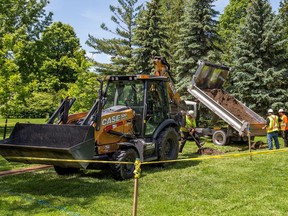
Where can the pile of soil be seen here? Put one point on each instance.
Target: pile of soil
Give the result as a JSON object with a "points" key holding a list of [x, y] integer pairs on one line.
{"points": [[258, 145], [230, 103], [209, 151]]}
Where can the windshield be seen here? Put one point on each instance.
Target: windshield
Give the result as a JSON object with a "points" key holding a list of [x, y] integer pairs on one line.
{"points": [[125, 93]]}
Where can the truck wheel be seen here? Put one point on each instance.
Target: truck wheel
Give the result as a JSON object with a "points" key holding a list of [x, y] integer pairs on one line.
{"points": [[168, 145], [123, 171], [219, 138], [66, 170]]}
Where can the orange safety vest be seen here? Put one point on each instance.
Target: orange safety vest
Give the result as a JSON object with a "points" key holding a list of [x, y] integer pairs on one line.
{"points": [[273, 125], [189, 123], [284, 123]]}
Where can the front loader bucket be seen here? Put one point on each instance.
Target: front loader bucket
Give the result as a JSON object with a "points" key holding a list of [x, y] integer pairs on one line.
{"points": [[28, 143]]}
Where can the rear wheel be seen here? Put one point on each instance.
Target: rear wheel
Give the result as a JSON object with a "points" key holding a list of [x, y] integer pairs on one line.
{"points": [[66, 170], [220, 138], [123, 171], [168, 145]]}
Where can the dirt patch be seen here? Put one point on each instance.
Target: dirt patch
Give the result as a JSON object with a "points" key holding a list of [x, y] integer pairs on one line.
{"points": [[258, 145], [24, 170], [209, 151], [230, 103]]}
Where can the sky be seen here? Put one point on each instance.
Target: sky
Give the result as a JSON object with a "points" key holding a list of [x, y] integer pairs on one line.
{"points": [[86, 16]]}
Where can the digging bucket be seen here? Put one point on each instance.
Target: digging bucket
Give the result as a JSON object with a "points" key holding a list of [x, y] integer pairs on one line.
{"points": [[70, 142]]}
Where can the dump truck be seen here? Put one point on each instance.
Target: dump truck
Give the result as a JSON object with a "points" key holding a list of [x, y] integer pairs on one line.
{"points": [[207, 89], [131, 119]]}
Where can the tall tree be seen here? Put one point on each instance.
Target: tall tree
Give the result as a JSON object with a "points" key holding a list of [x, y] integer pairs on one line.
{"points": [[172, 11], [283, 12], [150, 36], [12, 88], [260, 76], [229, 23], [62, 57], [284, 8], [31, 15], [196, 39], [119, 47], [21, 24]]}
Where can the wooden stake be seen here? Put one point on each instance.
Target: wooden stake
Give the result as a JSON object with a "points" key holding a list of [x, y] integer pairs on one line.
{"points": [[137, 173], [249, 142], [135, 196]]}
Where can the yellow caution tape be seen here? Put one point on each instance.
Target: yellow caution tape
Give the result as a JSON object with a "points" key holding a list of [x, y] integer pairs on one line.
{"points": [[67, 160], [152, 162], [137, 170]]}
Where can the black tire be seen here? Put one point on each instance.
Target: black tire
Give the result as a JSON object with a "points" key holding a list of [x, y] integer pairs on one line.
{"points": [[168, 145], [220, 138], [66, 170], [123, 171]]}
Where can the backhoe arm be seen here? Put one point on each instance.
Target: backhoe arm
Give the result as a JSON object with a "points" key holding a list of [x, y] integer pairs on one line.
{"points": [[161, 68]]}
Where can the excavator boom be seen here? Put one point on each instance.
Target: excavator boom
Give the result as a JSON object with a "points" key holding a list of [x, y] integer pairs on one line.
{"points": [[161, 68]]}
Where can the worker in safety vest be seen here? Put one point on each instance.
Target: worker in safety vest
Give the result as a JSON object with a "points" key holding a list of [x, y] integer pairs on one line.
{"points": [[272, 127], [284, 126], [188, 128]]}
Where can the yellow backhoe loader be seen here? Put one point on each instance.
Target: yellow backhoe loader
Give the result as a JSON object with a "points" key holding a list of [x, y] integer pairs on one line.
{"points": [[132, 118]]}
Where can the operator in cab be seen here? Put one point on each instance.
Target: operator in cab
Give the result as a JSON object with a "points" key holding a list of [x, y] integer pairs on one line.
{"points": [[188, 127]]}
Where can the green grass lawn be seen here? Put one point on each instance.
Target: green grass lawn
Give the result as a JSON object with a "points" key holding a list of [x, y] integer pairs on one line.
{"points": [[231, 186], [11, 123]]}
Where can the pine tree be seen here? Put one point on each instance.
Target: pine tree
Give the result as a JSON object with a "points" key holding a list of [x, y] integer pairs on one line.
{"points": [[197, 33], [283, 12], [284, 9], [172, 11], [259, 77], [150, 37], [120, 47]]}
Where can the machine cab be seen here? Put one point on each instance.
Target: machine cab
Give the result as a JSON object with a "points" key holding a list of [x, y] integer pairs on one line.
{"points": [[146, 95]]}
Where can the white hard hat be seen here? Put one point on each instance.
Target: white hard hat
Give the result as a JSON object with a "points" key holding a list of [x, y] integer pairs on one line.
{"points": [[281, 110], [270, 111], [191, 112]]}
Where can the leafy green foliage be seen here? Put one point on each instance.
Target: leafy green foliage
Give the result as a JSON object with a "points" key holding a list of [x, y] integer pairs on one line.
{"points": [[12, 90], [62, 59], [172, 12], [45, 62], [35, 71], [284, 8], [85, 90], [260, 57], [21, 23], [196, 39], [229, 23], [15, 14], [150, 37], [283, 13], [38, 105]]}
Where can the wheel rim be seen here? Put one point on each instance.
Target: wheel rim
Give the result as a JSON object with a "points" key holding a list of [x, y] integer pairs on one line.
{"points": [[219, 138]]}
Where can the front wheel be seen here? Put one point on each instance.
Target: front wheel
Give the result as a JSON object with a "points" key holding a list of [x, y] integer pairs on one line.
{"points": [[123, 171], [168, 146]]}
